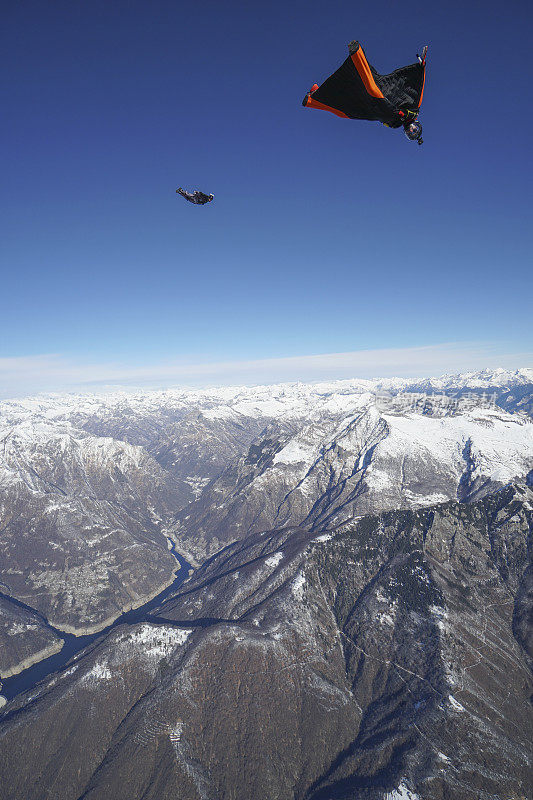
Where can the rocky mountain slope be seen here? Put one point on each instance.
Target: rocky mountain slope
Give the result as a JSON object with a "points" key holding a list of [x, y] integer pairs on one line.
{"points": [[25, 638], [388, 657], [329, 470], [92, 486], [80, 524]]}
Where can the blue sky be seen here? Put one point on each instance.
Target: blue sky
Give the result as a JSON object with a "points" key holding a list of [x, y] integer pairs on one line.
{"points": [[325, 236]]}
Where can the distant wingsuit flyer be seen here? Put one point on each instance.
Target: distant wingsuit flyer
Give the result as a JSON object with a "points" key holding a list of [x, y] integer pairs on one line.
{"points": [[197, 197], [357, 91]]}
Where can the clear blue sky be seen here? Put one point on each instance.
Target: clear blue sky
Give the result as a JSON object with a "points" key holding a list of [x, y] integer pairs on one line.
{"points": [[326, 235]]}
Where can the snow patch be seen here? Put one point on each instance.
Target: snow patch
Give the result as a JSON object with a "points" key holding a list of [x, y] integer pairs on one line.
{"points": [[385, 619], [273, 560], [402, 793], [294, 453], [175, 733], [155, 642], [99, 672], [297, 586], [325, 537], [455, 704], [440, 616]]}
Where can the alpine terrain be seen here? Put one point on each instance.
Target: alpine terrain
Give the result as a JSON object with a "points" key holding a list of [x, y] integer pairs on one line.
{"points": [[358, 623]]}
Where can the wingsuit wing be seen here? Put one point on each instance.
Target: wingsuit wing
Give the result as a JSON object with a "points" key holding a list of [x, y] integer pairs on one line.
{"points": [[404, 88], [357, 91]]}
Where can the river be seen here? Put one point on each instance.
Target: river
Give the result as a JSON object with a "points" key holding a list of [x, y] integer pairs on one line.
{"points": [[30, 677]]}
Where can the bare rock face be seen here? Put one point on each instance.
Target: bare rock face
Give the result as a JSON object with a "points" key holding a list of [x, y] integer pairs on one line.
{"points": [[385, 658], [331, 469], [90, 487], [192, 443], [80, 539]]}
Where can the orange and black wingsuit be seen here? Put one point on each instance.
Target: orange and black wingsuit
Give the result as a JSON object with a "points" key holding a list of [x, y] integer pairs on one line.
{"points": [[357, 91]]}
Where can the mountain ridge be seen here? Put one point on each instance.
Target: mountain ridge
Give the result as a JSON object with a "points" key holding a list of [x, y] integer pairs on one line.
{"points": [[93, 487], [385, 658]]}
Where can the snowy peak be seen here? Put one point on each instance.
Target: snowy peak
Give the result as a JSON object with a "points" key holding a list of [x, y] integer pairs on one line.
{"points": [[91, 485], [483, 379], [323, 473], [273, 401]]}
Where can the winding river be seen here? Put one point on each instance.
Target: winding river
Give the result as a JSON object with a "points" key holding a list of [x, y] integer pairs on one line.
{"points": [[30, 677]]}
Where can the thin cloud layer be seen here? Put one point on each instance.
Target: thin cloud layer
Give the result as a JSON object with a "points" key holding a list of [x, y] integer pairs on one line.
{"points": [[54, 373]]}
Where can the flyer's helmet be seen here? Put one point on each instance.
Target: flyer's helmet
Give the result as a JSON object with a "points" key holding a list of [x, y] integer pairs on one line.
{"points": [[413, 131]]}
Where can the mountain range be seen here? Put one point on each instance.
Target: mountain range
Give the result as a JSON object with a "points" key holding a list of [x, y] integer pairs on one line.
{"points": [[364, 545]]}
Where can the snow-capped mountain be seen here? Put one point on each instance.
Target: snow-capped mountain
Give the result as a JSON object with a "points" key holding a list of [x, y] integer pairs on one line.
{"points": [[91, 486], [79, 518], [490, 380], [327, 471], [120, 413]]}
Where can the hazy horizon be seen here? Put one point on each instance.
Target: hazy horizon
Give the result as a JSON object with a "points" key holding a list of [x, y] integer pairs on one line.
{"points": [[56, 375]]}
